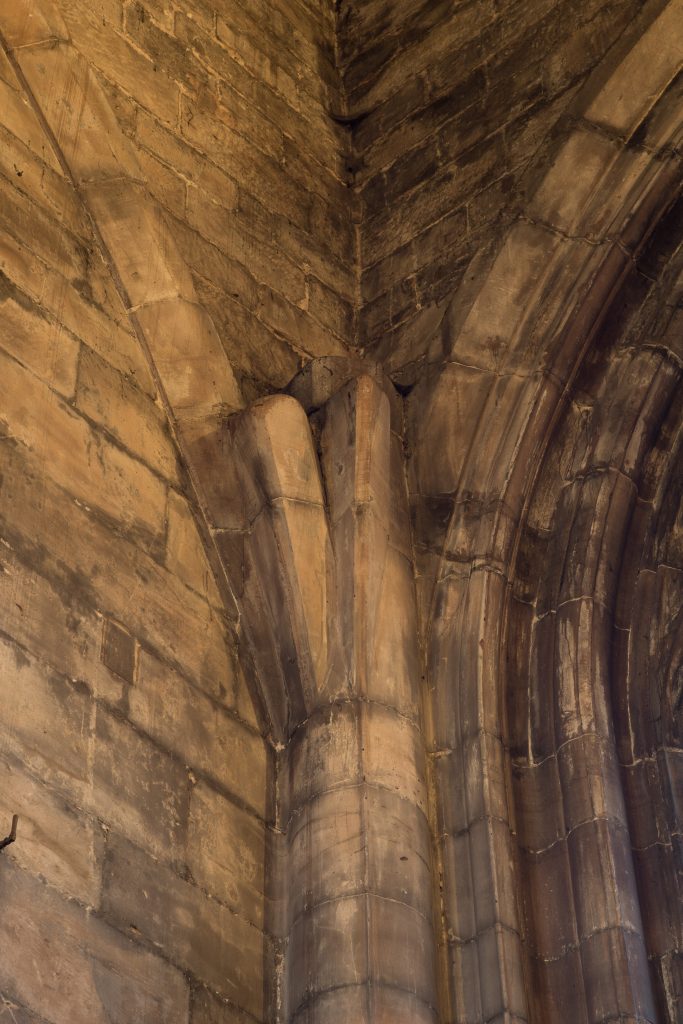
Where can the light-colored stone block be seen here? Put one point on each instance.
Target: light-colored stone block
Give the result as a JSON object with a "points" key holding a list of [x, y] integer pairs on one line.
{"points": [[40, 344], [79, 459], [185, 551], [138, 237], [54, 839], [69, 967], [200, 731], [643, 74], [79, 113], [31, 22], [138, 423], [187, 352], [227, 852]]}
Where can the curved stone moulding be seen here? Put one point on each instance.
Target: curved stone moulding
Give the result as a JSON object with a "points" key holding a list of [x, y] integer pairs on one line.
{"points": [[561, 687], [320, 556], [496, 385]]}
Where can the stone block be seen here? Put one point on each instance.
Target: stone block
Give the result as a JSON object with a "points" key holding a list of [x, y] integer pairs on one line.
{"points": [[538, 804], [500, 975], [55, 841], [392, 753], [42, 183], [578, 180], [69, 967], [106, 397], [646, 803], [603, 879], [185, 552], [20, 120], [324, 754], [226, 229], [171, 619], [119, 651], [184, 343], [152, 269], [94, 326], [550, 902], [39, 343], [165, 185], [171, 57], [590, 781], [479, 879], [121, 63], [207, 1008], [51, 620], [616, 977], [237, 157], [26, 25], [227, 852], [581, 671], [558, 987], [458, 880], [656, 873], [642, 76], [516, 276], [79, 459], [455, 406], [47, 721], [401, 949], [219, 947], [328, 949], [137, 788], [35, 228], [463, 966], [78, 110], [468, 608], [399, 852], [330, 309], [199, 730]]}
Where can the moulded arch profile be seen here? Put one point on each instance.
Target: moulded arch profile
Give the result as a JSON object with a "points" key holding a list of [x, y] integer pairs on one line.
{"points": [[523, 335]]}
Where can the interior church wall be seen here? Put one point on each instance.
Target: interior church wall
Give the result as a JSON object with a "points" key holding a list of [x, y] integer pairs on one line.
{"points": [[253, 719], [129, 746]]}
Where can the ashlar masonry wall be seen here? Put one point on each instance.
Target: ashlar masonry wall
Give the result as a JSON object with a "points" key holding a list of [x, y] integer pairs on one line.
{"points": [[228, 105], [129, 746], [449, 105]]}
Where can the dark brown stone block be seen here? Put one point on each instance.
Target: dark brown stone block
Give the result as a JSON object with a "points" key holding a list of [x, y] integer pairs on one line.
{"points": [[119, 651]]}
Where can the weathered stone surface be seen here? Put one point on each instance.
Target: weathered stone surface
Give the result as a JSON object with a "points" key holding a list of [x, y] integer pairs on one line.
{"points": [[70, 967], [47, 721], [56, 842], [138, 788], [198, 729], [219, 947], [642, 75], [227, 852], [77, 105], [106, 397], [79, 458], [185, 551], [39, 344], [103, 567]]}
